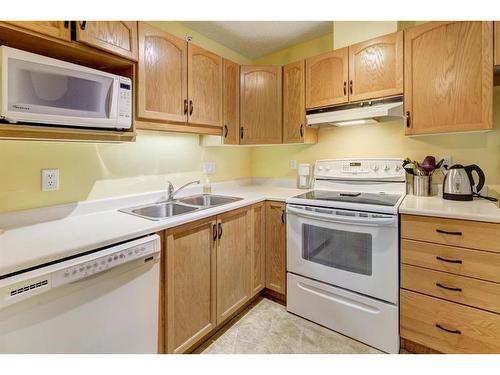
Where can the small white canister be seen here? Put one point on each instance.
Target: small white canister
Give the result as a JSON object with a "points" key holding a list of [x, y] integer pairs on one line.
{"points": [[304, 177]]}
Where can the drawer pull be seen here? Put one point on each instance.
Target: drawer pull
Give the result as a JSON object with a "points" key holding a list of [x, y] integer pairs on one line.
{"points": [[451, 233], [454, 331], [448, 288], [449, 260]]}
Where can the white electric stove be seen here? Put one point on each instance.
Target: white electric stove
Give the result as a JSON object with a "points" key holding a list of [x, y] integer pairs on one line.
{"points": [[343, 249]]}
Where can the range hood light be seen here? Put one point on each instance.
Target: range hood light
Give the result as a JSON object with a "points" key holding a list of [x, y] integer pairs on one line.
{"points": [[356, 122]]}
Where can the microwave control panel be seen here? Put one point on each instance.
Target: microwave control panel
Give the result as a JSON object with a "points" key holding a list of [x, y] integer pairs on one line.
{"points": [[125, 103]]}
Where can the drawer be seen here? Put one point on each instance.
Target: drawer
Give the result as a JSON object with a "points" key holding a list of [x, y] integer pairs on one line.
{"points": [[472, 292], [462, 233], [465, 262], [469, 330]]}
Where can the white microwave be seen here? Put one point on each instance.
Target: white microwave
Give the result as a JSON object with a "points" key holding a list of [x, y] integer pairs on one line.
{"points": [[41, 90]]}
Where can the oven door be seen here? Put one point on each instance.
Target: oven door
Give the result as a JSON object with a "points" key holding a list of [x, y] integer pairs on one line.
{"points": [[354, 250]]}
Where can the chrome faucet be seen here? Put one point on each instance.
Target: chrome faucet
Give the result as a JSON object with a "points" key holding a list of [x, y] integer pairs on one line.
{"points": [[171, 192]]}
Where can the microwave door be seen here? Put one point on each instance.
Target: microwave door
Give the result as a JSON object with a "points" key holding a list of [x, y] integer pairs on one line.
{"points": [[43, 93]]}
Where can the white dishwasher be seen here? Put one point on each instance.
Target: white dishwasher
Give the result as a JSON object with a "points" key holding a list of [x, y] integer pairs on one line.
{"points": [[105, 301]]}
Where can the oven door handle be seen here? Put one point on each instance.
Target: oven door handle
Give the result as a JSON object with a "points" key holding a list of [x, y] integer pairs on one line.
{"points": [[371, 221]]}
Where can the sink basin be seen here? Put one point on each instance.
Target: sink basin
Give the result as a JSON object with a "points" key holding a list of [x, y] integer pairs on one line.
{"points": [[207, 200], [160, 210]]}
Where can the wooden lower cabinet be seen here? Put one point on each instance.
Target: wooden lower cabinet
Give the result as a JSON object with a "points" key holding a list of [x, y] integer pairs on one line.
{"points": [[211, 269], [450, 286], [190, 284], [234, 260], [258, 230], [276, 247], [448, 327]]}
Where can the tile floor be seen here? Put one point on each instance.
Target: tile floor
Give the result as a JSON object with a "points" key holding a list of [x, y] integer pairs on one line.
{"points": [[267, 328]]}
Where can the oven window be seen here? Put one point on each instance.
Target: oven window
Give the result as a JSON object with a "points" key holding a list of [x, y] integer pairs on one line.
{"points": [[348, 251]]}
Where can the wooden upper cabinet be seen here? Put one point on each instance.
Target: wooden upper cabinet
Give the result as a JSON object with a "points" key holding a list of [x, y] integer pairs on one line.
{"points": [[190, 284], [231, 102], [260, 108], [448, 77], [233, 261], [294, 105], [204, 87], [497, 42], [326, 78], [56, 29], [118, 37], [376, 67], [276, 247], [162, 76]]}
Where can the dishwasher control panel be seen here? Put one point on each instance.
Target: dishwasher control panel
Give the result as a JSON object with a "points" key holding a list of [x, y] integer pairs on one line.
{"points": [[103, 263]]}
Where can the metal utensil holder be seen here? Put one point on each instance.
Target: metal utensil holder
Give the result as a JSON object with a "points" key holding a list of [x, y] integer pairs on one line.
{"points": [[422, 186]]}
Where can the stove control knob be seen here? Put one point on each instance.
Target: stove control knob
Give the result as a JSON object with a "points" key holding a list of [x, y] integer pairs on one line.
{"points": [[397, 168], [374, 167], [327, 168], [386, 167], [320, 169]]}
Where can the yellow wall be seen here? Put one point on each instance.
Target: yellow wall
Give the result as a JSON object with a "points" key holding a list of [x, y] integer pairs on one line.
{"points": [[92, 171], [350, 32], [299, 51]]}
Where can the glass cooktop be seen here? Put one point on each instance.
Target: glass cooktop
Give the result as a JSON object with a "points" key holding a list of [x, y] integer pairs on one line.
{"points": [[379, 199]]}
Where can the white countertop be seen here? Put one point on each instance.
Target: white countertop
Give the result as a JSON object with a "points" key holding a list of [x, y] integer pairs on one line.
{"points": [[477, 209], [73, 229]]}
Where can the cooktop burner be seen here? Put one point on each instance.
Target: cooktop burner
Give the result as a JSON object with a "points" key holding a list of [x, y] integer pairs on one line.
{"points": [[379, 199]]}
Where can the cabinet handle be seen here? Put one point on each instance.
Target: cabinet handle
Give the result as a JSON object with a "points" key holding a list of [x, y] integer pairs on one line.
{"points": [[350, 86], [283, 216], [185, 106], [345, 88], [191, 107], [241, 132], [448, 288], [225, 131], [66, 24], [454, 331], [301, 130], [220, 230], [450, 233], [407, 119], [214, 231], [449, 260], [83, 25]]}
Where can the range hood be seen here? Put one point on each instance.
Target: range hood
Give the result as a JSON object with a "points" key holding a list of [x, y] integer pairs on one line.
{"points": [[361, 113]]}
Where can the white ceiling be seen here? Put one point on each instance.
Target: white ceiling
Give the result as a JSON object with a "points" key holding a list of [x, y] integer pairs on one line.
{"points": [[255, 39]]}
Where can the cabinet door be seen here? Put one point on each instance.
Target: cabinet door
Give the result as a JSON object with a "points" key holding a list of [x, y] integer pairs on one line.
{"points": [[56, 29], [276, 247], [260, 116], [448, 77], [497, 42], [190, 284], [118, 37], [376, 67], [162, 76], [258, 247], [326, 79], [204, 87], [233, 262], [231, 103], [294, 105]]}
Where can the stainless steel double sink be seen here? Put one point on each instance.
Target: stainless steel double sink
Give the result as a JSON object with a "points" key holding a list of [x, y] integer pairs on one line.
{"points": [[181, 206]]}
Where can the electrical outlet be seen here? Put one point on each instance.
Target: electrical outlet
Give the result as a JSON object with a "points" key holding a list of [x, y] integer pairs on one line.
{"points": [[209, 167], [50, 179], [293, 164], [447, 160]]}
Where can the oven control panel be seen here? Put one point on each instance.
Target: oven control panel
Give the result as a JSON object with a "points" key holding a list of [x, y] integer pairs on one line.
{"points": [[360, 169]]}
